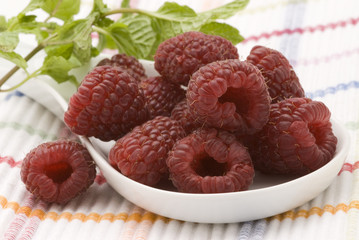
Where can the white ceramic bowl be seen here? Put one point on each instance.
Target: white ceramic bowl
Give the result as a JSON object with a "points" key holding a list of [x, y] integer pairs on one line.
{"points": [[266, 197]]}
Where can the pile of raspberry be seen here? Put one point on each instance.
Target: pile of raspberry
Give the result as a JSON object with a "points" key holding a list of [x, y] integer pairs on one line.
{"points": [[207, 121]]}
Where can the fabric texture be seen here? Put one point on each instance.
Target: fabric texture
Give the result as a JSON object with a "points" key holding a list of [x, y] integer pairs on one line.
{"points": [[321, 40]]}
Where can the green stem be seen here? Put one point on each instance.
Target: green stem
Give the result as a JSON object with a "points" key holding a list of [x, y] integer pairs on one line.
{"points": [[16, 68], [34, 74]]}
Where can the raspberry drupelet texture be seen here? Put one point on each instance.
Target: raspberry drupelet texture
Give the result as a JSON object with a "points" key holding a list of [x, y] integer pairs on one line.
{"points": [[210, 161], [129, 63], [297, 139], [58, 171], [161, 96], [107, 104], [231, 95], [178, 57], [279, 75], [141, 154], [181, 114]]}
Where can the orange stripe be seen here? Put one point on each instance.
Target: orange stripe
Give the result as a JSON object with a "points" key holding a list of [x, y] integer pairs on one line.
{"points": [[147, 216], [316, 211]]}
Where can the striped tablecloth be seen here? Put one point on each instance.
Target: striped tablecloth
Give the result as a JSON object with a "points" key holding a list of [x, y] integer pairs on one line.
{"points": [[321, 40]]}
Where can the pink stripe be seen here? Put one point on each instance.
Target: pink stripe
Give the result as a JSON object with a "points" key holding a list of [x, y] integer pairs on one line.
{"points": [[325, 59], [310, 29], [349, 167], [33, 223], [19, 221], [10, 161]]}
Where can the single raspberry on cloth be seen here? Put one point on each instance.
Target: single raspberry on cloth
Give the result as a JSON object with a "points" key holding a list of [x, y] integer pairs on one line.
{"points": [[181, 114], [279, 75], [231, 95], [210, 161], [161, 96], [58, 171], [297, 139], [178, 57], [129, 63], [141, 154], [107, 105]]}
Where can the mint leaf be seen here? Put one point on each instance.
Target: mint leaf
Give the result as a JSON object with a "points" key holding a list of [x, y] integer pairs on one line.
{"points": [[224, 30], [33, 5], [227, 10], [172, 19], [8, 41], [141, 33], [15, 58], [3, 24], [78, 35], [58, 68], [62, 9], [119, 35]]}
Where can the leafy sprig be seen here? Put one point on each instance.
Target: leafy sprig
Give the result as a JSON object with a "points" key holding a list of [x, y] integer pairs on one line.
{"points": [[67, 42]]}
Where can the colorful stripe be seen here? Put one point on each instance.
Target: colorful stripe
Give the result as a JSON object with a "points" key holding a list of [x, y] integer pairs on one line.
{"points": [[333, 89], [302, 30], [325, 59], [14, 93], [349, 167], [328, 208], [96, 217], [29, 129]]}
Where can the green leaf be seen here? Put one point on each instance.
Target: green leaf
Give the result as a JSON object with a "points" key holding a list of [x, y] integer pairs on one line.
{"points": [[227, 10], [141, 33], [121, 37], [15, 58], [3, 24], [58, 68], [99, 6], [64, 50], [62, 9], [8, 41], [172, 19], [174, 11], [125, 3], [223, 30], [77, 33], [33, 5]]}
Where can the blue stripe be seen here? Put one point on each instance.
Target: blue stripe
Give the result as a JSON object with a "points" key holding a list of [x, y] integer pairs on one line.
{"points": [[14, 93], [333, 90]]}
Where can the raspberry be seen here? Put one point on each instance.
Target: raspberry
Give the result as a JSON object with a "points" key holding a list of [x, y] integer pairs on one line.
{"points": [[231, 95], [181, 114], [161, 96], [107, 105], [178, 57], [141, 154], [129, 63], [58, 171], [210, 161], [278, 73], [297, 139]]}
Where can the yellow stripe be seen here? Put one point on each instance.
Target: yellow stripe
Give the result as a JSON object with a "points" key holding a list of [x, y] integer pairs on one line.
{"points": [[147, 216], [316, 211]]}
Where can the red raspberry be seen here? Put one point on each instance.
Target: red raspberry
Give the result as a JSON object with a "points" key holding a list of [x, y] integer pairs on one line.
{"points": [[279, 75], [178, 57], [297, 139], [210, 161], [231, 95], [181, 114], [107, 104], [58, 171], [129, 63], [161, 96], [141, 154]]}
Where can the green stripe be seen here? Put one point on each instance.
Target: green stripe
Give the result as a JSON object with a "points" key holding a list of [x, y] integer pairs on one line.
{"points": [[29, 129], [352, 125]]}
